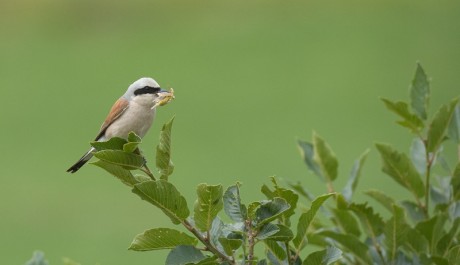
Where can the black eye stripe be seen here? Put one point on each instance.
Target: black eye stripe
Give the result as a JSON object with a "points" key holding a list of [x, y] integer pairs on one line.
{"points": [[146, 90]]}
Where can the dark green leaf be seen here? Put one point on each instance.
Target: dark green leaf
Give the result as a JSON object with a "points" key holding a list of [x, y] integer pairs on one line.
{"points": [[209, 261], [117, 157], [232, 204], [411, 121], [163, 155], [230, 245], [166, 197], [455, 182], [252, 209], [307, 152], [396, 230], [351, 244], [270, 210], [118, 171], [439, 126], [290, 197], [399, 167], [306, 219], [323, 257], [420, 93], [38, 258], [432, 229], [354, 176], [115, 143], [418, 155], [277, 250], [325, 158], [161, 238], [454, 255], [382, 198], [416, 242], [281, 233], [371, 222], [346, 221], [449, 239], [208, 204], [182, 255], [414, 210], [267, 230], [454, 126]]}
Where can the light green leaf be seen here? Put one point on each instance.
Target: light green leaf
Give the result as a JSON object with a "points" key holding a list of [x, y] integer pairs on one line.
{"points": [[208, 204], [382, 198], [400, 168], [161, 238], [346, 221], [420, 93], [418, 155], [354, 176], [115, 143], [351, 244], [306, 219], [184, 254], [325, 158], [411, 121], [432, 229], [166, 197], [302, 190], [396, 230], [67, 261], [439, 126], [307, 153], [133, 141], [323, 257], [117, 157], [230, 245], [371, 222], [118, 171], [232, 204], [454, 126], [163, 155], [38, 258], [454, 255], [270, 210]]}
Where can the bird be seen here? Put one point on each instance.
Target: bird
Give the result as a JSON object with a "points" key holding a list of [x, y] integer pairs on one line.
{"points": [[132, 112]]}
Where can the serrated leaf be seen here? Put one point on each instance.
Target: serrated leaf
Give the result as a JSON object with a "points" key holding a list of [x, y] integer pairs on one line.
{"points": [[270, 210], [208, 204], [454, 126], [400, 168], [414, 211], [230, 245], [382, 198], [396, 230], [118, 171], [346, 221], [325, 158], [38, 258], [323, 257], [418, 155], [354, 176], [411, 121], [184, 254], [371, 222], [115, 143], [307, 153], [420, 93], [161, 238], [232, 204], [163, 155], [350, 243], [166, 197], [439, 126], [128, 161], [454, 255], [306, 219], [432, 229]]}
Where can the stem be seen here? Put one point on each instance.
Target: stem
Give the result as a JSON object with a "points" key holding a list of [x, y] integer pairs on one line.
{"points": [[288, 251], [330, 188], [429, 163], [147, 171], [207, 243], [251, 242]]}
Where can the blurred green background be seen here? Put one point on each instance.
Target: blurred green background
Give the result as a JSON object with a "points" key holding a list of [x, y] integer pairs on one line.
{"points": [[250, 78]]}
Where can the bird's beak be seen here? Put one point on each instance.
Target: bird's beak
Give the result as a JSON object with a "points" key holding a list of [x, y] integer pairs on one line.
{"points": [[164, 97]]}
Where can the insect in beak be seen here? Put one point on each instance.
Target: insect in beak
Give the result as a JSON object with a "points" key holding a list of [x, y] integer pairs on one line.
{"points": [[164, 97]]}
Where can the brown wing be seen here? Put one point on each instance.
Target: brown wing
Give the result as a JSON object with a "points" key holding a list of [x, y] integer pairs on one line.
{"points": [[120, 106]]}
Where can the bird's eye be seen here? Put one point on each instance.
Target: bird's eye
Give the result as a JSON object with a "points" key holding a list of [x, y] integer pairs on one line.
{"points": [[146, 90]]}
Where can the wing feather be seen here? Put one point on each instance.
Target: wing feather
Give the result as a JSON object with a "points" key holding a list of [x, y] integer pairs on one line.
{"points": [[120, 106]]}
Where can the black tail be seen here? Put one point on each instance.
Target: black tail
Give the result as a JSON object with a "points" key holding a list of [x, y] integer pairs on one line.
{"points": [[85, 158]]}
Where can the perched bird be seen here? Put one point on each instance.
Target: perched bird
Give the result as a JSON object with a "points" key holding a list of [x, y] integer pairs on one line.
{"points": [[134, 111]]}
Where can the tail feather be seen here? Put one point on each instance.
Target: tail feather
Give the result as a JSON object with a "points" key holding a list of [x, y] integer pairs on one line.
{"points": [[85, 158]]}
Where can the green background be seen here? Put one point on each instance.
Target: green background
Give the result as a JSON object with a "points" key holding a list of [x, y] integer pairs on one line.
{"points": [[250, 78]]}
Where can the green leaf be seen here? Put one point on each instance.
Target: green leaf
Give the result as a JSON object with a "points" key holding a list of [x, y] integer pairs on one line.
{"points": [[267, 230], [455, 181], [371, 222], [399, 167], [325, 158], [396, 230], [270, 210], [184, 254], [252, 209], [306, 219], [38, 258], [449, 239], [118, 171], [414, 210], [232, 204], [307, 153], [302, 191], [115, 143], [352, 244], [454, 126], [416, 242], [208, 204], [346, 221], [382, 198], [275, 232], [117, 157], [323, 257], [418, 155], [161, 238], [230, 245], [432, 229], [166, 197], [67, 261], [454, 210], [133, 141], [277, 250], [290, 197], [439, 125], [411, 121], [208, 261], [454, 255], [354, 176], [163, 155], [420, 93]]}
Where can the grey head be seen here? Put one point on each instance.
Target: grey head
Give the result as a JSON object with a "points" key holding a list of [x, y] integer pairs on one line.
{"points": [[142, 86]]}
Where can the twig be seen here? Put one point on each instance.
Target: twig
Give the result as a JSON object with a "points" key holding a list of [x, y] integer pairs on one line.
{"points": [[147, 171], [251, 242]]}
